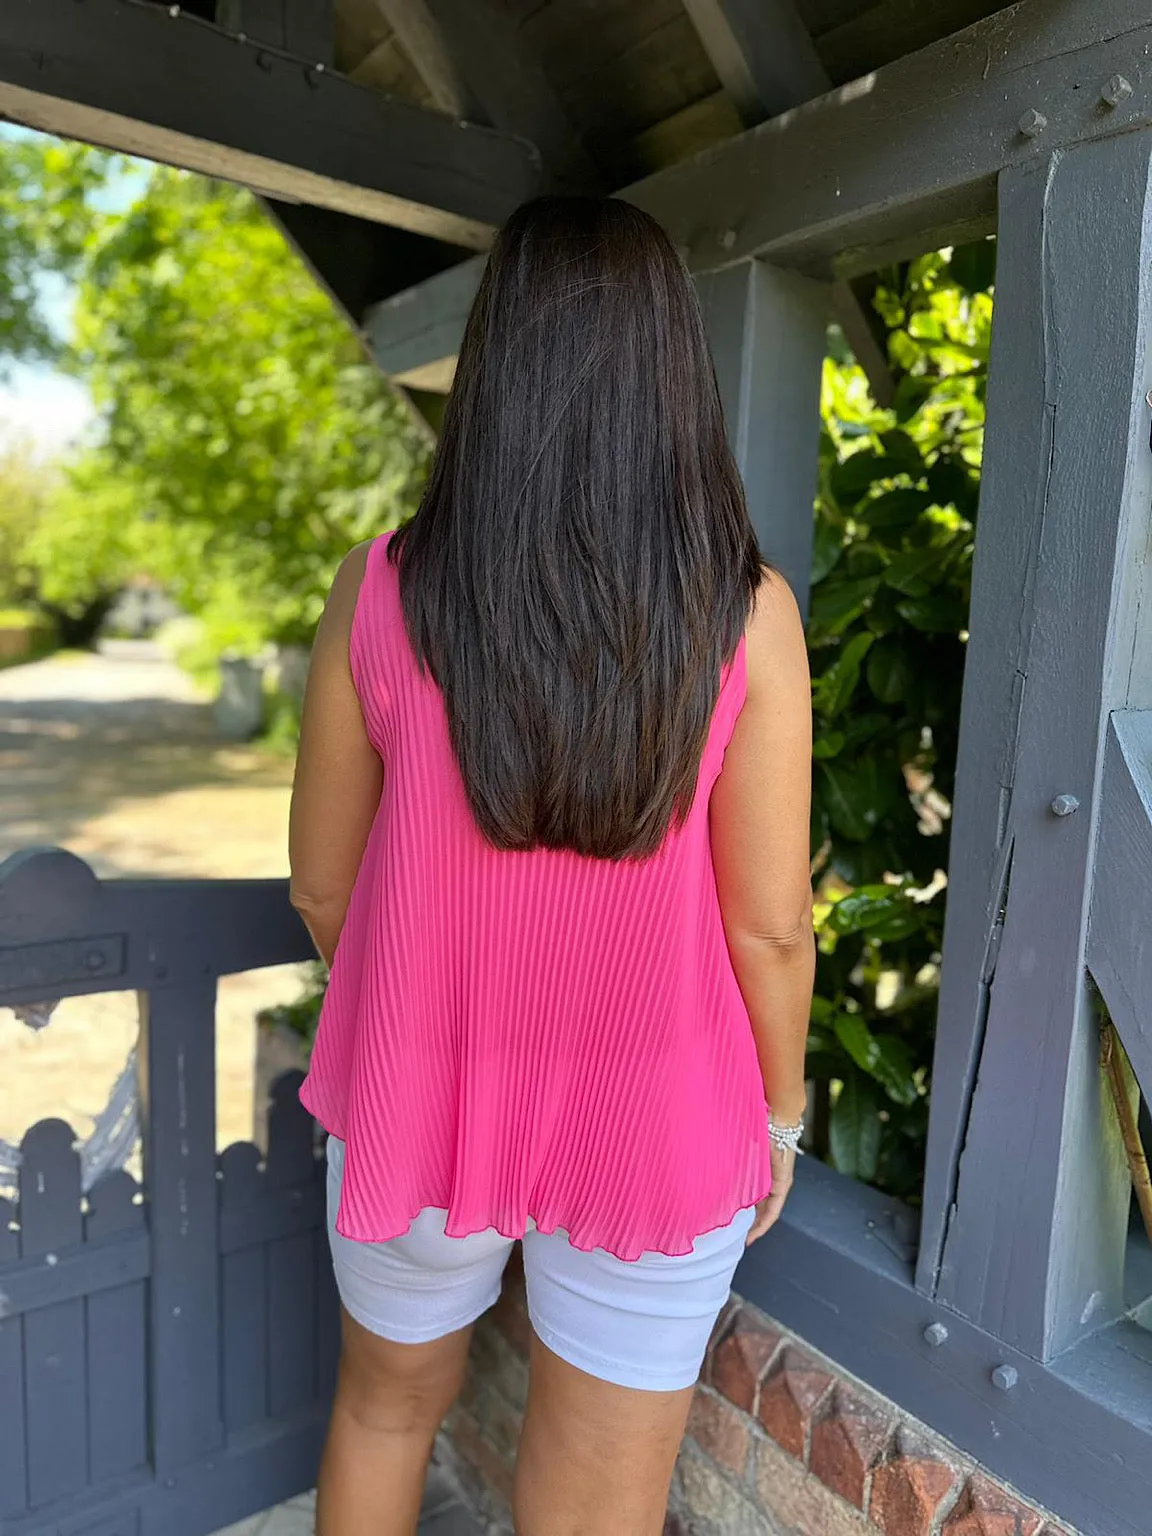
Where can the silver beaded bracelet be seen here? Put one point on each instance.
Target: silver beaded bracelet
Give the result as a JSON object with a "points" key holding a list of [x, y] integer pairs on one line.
{"points": [[787, 1137]]}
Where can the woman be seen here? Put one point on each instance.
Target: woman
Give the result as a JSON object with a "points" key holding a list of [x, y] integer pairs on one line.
{"points": [[550, 829]]}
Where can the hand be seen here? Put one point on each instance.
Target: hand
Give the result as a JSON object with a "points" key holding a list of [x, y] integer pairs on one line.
{"points": [[783, 1168]]}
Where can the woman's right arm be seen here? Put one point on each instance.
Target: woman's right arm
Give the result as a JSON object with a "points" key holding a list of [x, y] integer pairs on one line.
{"points": [[759, 818]]}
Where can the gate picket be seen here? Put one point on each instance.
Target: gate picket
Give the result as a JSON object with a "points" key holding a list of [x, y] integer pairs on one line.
{"points": [[54, 1356], [291, 1269], [243, 1297], [117, 1363], [13, 1485]]}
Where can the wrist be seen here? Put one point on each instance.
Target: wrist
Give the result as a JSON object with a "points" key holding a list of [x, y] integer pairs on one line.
{"points": [[788, 1111]]}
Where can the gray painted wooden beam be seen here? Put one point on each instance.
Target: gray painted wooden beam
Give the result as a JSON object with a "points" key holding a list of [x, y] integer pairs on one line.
{"points": [[766, 61], [1026, 1194], [478, 50], [767, 331], [415, 335], [132, 77], [761, 51], [1120, 926], [906, 159], [419, 35], [304, 28]]}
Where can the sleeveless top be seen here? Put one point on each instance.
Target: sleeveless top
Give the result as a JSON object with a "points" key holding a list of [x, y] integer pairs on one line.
{"points": [[529, 1034]]}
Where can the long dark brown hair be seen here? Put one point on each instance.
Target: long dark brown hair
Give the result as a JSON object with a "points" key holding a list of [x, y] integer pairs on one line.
{"points": [[582, 563]]}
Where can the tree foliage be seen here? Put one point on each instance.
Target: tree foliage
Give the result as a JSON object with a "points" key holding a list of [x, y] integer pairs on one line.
{"points": [[240, 417], [894, 541], [48, 211]]}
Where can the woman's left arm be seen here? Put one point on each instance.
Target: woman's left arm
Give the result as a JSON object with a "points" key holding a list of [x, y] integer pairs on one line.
{"points": [[339, 775]]}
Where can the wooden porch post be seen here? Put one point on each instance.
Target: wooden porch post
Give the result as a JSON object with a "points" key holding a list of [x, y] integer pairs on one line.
{"points": [[1026, 1193], [767, 329]]}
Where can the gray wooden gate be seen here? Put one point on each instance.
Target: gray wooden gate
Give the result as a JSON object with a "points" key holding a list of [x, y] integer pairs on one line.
{"points": [[167, 1351]]}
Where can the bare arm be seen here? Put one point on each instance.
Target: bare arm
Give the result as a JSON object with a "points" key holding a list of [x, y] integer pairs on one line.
{"points": [[338, 773], [759, 819]]}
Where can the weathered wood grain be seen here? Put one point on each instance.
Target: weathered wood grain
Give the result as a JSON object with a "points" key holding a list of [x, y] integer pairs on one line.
{"points": [[1026, 1193], [767, 331], [132, 77], [178, 1036], [906, 159], [55, 1389], [117, 1341], [423, 325], [878, 34], [1120, 924], [762, 52], [14, 1440], [472, 55]]}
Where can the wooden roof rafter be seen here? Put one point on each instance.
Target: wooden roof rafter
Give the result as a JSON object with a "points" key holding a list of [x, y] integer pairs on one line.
{"points": [[472, 55], [150, 81], [765, 57]]}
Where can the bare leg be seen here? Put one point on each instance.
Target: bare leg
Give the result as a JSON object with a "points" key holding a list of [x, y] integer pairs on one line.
{"points": [[390, 1400], [595, 1459]]}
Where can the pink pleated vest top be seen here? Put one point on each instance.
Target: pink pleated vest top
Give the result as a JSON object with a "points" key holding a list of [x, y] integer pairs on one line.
{"points": [[542, 1034]]}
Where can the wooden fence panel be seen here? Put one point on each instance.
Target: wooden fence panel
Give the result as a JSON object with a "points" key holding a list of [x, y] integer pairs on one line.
{"points": [[13, 1481], [178, 1033], [243, 1290], [117, 1342], [291, 1324], [54, 1354], [327, 1313]]}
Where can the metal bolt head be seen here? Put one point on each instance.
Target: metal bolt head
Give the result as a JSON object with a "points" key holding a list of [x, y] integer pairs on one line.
{"points": [[1032, 123], [1005, 1377], [935, 1334], [1115, 90], [1065, 805]]}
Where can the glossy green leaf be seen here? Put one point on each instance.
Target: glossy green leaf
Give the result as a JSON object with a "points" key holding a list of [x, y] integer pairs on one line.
{"points": [[854, 1035], [941, 614], [854, 476], [849, 794], [894, 509], [827, 547], [891, 669], [836, 604], [893, 1069], [911, 572], [835, 687], [911, 394], [827, 744], [973, 266], [902, 449], [854, 1127]]}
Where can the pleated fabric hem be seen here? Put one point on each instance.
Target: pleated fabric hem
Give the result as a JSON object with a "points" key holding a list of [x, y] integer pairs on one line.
{"points": [[582, 1239]]}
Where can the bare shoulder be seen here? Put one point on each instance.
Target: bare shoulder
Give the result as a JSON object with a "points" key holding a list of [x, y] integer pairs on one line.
{"points": [[345, 590], [774, 633]]}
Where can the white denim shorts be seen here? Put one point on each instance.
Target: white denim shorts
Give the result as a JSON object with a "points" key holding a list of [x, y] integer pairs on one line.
{"points": [[641, 1323]]}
